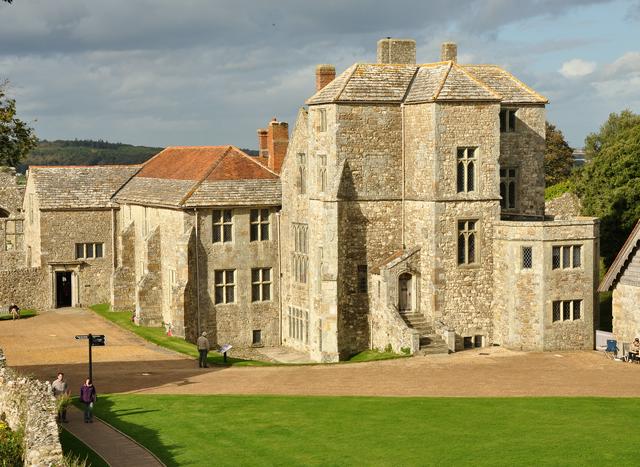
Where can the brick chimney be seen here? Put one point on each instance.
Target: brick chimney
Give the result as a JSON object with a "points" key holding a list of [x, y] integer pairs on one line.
{"points": [[273, 142], [449, 51], [263, 149], [396, 51], [324, 75]]}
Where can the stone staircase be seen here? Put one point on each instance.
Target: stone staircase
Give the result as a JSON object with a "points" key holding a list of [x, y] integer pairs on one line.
{"points": [[430, 342]]}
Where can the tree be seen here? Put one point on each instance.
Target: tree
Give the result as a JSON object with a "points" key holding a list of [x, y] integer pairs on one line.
{"points": [[558, 157], [609, 131], [16, 137], [609, 186]]}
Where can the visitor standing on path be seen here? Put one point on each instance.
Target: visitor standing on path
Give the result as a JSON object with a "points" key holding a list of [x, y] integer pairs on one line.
{"points": [[88, 396], [15, 311], [60, 391], [203, 350]]}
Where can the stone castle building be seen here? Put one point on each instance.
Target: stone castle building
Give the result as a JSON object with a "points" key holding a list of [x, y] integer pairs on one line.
{"points": [[406, 211]]}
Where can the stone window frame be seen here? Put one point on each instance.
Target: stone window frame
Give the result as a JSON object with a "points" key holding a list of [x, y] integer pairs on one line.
{"points": [[526, 257], [508, 119], [301, 159], [467, 169], [222, 226], [89, 250], [16, 234], [300, 253], [509, 200], [322, 173], [298, 320], [261, 284], [259, 225], [322, 120], [224, 286], [362, 278], [565, 257], [567, 310], [466, 232]]}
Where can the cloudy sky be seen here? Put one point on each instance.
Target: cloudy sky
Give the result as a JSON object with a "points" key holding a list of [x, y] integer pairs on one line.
{"points": [[197, 72]]}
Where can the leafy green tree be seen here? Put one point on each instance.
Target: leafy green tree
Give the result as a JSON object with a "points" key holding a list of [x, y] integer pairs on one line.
{"points": [[609, 131], [16, 137], [609, 185], [558, 157]]}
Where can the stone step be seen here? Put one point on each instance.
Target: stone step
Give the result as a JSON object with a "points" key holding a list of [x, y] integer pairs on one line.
{"points": [[432, 344]]}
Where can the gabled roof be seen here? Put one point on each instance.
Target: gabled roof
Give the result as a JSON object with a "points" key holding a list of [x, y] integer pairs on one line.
{"points": [[431, 82], [78, 187], [622, 260], [187, 176]]}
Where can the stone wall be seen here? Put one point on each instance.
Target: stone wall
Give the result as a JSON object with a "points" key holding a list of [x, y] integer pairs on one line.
{"points": [[523, 150], [11, 194], [523, 297], [387, 326], [123, 281], [566, 206], [28, 404], [626, 319], [149, 289], [61, 231], [26, 287]]}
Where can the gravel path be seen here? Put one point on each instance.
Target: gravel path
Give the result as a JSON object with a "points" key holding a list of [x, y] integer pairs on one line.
{"points": [[45, 344]]}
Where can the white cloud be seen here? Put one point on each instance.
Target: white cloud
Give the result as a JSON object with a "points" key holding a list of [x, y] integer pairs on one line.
{"points": [[577, 68]]}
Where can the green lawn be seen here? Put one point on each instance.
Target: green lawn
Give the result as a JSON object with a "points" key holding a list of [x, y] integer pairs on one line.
{"points": [[273, 430], [74, 447], [24, 314], [159, 337]]}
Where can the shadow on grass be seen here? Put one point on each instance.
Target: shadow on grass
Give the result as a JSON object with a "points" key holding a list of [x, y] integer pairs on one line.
{"points": [[149, 438], [24, 314]]}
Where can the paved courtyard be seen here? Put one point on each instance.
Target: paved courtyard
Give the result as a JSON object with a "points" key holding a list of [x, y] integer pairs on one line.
{"points": [[45, 344]]}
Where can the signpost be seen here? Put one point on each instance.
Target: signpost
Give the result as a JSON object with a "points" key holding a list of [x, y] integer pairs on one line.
{"points": [[97, 340], [224, 349]]}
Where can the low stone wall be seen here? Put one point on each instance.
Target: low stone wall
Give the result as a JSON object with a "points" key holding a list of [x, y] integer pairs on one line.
{"points": [[563, 207], [26, 287], [28, 403], [389, 329]]}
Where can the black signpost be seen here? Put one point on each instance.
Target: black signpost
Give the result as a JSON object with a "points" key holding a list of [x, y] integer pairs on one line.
{"points": [[97, 340]]}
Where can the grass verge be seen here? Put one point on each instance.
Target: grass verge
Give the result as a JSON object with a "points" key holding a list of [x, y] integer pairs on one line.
{"points": [[24, 314], [159, 337], [373, 355], [72, 446], [273, 430]]}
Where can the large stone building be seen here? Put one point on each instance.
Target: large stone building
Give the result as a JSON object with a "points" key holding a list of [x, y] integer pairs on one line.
{"points": [[412, 218]]}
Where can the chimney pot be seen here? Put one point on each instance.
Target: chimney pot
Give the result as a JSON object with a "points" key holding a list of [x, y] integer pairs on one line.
{"points": [[263, 148], [392, 50], [324, 75], [277, 143], [449, 52]]}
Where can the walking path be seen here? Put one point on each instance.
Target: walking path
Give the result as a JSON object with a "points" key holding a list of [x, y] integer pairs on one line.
{"points": [[117, 449]]}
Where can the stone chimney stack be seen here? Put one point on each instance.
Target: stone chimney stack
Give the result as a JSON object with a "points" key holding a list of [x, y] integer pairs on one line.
{"points": [[263, 149], [397, 51], [449, 51], [324, 75], [277, 143]]}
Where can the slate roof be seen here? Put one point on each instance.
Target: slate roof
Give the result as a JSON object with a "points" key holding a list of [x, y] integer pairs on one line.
{"points": [[191, 176], [618, 266], [431, 82], [79, 187]]}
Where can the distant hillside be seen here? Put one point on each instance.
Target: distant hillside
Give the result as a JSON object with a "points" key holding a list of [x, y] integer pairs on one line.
{"points": [[88, 152]]}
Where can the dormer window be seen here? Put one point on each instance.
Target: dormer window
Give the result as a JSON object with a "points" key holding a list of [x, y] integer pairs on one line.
{"points": [[508, 120]]}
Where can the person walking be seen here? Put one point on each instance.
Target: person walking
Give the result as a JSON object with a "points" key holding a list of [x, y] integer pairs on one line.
{"points": [[60, 391], [15, 311], [88, 396], [203, 350]]}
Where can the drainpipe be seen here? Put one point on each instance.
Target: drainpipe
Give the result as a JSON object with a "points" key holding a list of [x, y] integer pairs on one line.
{"points": [[198, 269], [403, 174], [279, 280]]}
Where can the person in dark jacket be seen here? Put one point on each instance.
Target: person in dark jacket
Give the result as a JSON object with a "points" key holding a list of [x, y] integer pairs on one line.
{"points": [[88, 396]]}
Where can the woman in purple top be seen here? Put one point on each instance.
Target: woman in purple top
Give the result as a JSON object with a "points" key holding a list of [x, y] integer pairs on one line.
{"points": [[88, 396]]}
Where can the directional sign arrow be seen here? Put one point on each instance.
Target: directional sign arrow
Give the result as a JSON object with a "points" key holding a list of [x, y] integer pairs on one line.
{"points": [[82, 336]]}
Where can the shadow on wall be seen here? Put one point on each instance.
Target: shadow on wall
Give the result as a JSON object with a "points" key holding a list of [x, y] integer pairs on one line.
{"points": [[353, 301]]}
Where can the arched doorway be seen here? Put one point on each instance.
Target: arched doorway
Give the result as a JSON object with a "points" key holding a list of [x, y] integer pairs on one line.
{"points": [[405, 295]]}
